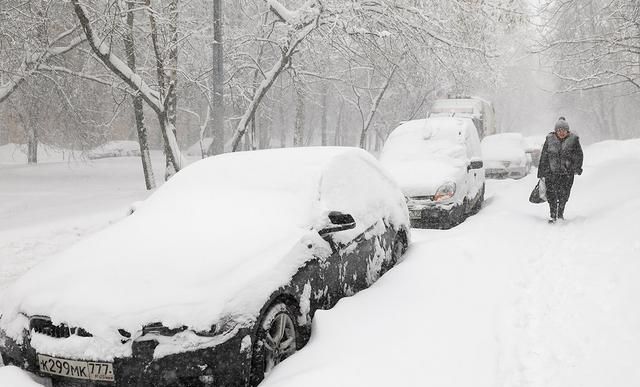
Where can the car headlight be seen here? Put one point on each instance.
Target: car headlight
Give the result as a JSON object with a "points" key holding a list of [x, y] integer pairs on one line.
{"points": [[159, 329], [445, 191]]}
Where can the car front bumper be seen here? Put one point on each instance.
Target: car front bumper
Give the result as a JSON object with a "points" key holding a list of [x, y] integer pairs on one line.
{"points": [[432, 214], [224, 365]]}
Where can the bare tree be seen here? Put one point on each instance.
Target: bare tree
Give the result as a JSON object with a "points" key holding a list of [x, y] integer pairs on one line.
{"points": [[594, 50], [300, 24], [217, 77], [128, 38], [158, 100]]}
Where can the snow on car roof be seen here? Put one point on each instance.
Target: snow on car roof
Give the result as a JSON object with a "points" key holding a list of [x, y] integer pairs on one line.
{"points": [[217, 238]]}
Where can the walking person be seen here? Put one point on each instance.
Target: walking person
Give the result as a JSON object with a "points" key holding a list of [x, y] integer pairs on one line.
{"points": [[560, 160]]}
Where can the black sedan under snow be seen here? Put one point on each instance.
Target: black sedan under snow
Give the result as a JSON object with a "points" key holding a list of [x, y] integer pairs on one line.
{"points": [[215, 278]]}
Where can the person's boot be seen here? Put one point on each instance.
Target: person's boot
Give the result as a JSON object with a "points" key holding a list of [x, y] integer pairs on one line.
{"points": [[553, 212], [561, 211]]}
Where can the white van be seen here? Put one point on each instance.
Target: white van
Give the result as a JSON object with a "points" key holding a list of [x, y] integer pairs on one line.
{"points": [[438, 164], [479, 110]]}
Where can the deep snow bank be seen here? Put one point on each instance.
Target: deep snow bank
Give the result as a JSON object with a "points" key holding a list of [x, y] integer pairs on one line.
{"points": [[504, 299]]}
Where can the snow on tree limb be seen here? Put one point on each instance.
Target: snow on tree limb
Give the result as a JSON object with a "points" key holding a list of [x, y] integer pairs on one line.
{"points": [[293, 18], [374, 107], [299, 34], [34, 63], [115, 64], [153, 98]]}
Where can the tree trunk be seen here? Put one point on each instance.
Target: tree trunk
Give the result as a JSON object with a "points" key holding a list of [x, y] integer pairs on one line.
{"points": [[336, 138], [217, 89], [171, 81], [143, 142], [283, 122], [167, 81], [298, 130], [323, 118], [32, 144], [374, 108], [252, 134], [264, 136]]}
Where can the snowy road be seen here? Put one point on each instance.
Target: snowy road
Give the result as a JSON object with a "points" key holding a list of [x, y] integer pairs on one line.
{"points": [[504, 299]]}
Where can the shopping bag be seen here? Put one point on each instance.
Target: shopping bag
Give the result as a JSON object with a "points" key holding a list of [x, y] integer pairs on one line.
{"points": [[539, 193]]}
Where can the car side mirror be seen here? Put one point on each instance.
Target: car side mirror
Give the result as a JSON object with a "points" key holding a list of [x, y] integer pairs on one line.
{"points": [[338, 222], [475, 164]]}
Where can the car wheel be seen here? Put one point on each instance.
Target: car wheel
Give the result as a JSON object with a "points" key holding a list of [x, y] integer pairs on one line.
{"points": [[277, 339]]}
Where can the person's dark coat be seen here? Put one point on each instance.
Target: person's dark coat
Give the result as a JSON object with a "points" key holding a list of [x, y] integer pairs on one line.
{"points": [[560, 157]]}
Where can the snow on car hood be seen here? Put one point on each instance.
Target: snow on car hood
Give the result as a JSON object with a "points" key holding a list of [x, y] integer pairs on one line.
{"points": [[423, 177], [424, 154], [217, 238]]}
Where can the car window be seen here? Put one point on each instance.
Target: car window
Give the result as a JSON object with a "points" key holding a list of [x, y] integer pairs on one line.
{"points": [[473, 144], [357, 186]]}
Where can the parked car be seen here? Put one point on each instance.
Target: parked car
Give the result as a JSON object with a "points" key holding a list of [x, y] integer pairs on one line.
{"points": [[215, 278], [534, 148], [115, 149], [505, 156], [438, 163]]}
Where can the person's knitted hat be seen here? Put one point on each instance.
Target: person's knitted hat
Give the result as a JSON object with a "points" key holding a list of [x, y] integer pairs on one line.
{"points": [[562, 124]]}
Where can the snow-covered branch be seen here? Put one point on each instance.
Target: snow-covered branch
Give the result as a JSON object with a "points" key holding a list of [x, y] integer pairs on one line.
{"points": [[36, 60], [374, 107], [298, 34], [152, 97]]}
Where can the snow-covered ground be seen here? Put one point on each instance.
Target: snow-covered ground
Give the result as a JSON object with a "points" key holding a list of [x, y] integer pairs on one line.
{"points": [[47, 207], [503, 299]]}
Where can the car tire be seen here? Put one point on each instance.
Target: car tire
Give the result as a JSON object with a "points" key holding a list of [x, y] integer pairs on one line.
{"points": [[277, 338]]}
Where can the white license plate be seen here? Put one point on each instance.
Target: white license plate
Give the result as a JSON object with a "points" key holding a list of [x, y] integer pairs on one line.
{"points": [[90, 370], [415, 214]]}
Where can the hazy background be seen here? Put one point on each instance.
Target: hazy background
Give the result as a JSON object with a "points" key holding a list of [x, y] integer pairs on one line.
{"points": [[356, 72]]}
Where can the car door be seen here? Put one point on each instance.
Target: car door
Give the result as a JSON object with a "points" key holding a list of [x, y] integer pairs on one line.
{"points": [[356, 257], [349, 190]]}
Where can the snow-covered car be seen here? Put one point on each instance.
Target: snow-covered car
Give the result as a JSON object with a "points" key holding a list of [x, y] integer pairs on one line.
{"points": [[505, 156], [534, 148], [438, 163], [214, 279], [115, 149]]}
